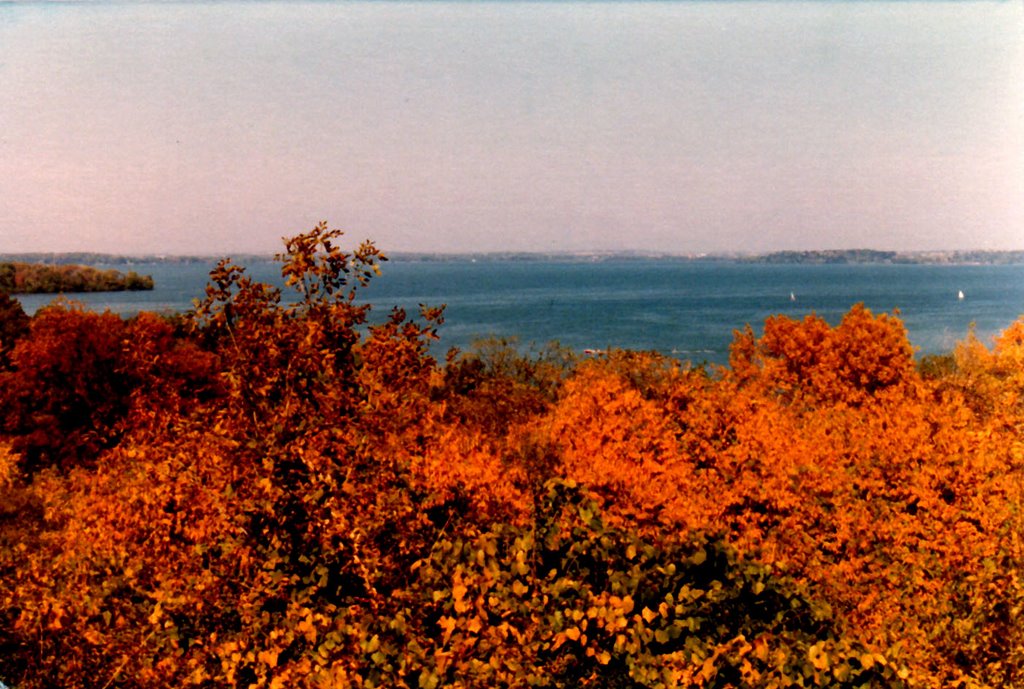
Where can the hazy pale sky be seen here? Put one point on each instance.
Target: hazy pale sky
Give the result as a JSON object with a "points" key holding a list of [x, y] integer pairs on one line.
{"points": [[213, 127]]}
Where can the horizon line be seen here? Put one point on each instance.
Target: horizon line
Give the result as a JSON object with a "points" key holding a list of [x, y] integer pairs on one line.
{"points": [[497, 253]]}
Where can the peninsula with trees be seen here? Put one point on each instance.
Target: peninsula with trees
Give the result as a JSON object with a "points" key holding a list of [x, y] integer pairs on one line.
{"points": [[40, 278]]}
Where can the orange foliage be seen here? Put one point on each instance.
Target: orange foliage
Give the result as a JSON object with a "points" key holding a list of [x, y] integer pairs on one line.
{"points": [[621, 443], [863, 355], [274, 493]]}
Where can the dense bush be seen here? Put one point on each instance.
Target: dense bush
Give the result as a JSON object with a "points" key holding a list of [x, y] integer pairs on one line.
{"points": [[272, 492], [14, 325]]}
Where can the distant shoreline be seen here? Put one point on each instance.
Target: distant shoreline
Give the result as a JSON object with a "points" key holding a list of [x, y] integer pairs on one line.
{"points": [[809, 257], [869, 256]]}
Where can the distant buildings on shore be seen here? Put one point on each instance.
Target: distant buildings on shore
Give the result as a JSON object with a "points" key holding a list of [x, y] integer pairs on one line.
{"points": [[811, 257]]}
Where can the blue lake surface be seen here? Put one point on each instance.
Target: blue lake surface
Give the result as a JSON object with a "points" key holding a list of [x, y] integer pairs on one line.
{"points": [[685, 309]]}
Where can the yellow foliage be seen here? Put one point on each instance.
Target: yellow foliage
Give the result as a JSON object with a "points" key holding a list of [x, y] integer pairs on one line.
{"points": [[9, 462]]}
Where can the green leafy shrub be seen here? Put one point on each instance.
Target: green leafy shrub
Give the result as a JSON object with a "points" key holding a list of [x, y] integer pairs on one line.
{"points": [[570, 602]]}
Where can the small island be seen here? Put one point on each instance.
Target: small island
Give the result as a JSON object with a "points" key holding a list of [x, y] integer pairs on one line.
{"points": [[40, 278]]}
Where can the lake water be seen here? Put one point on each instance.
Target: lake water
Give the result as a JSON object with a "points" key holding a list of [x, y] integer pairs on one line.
{"points": [[684, 309]]}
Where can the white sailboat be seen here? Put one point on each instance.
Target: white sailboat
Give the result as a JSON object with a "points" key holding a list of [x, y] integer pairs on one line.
{"points": [[960, 295]]}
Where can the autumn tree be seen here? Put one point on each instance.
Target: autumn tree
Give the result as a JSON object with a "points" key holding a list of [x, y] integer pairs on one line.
{"points": [[259, 496], [861, 357], [14, 325]]}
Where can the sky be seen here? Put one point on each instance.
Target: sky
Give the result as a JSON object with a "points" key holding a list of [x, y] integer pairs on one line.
{"points": [[679, 127]]}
